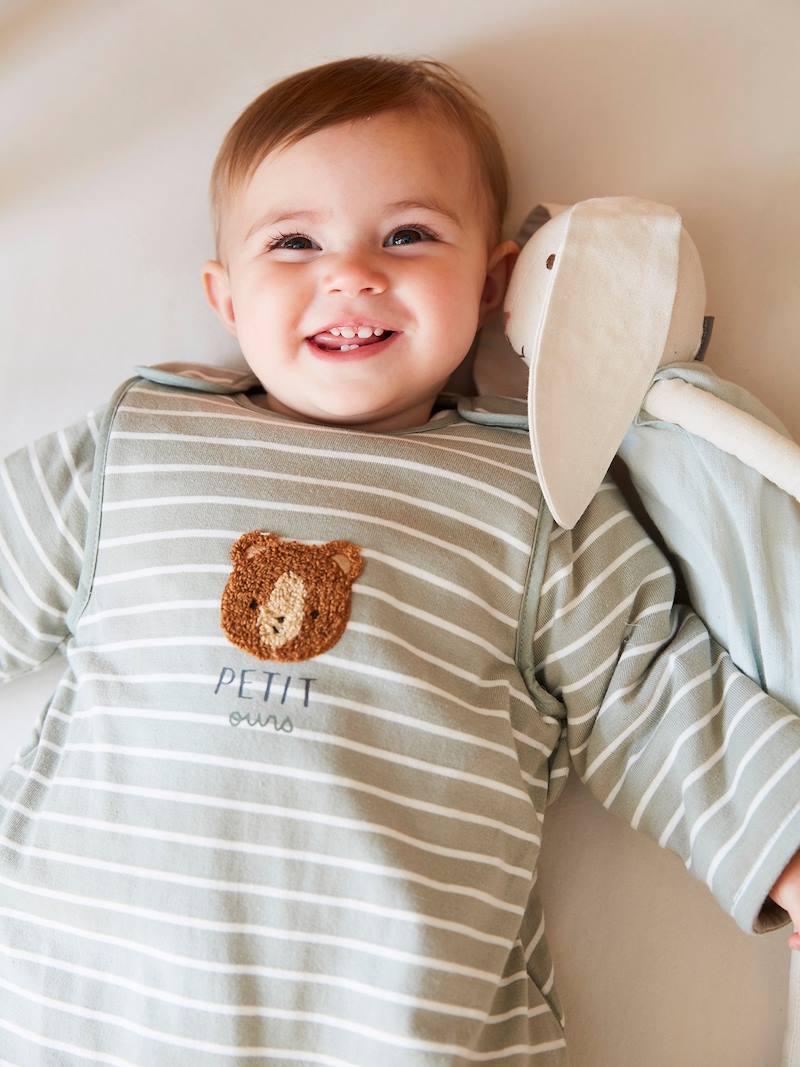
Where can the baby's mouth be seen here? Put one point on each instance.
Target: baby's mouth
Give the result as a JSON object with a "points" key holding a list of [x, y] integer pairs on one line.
{"points": [[330, 342]]}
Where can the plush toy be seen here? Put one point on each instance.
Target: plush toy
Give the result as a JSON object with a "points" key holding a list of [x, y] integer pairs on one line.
{"points": [[606, 308]]}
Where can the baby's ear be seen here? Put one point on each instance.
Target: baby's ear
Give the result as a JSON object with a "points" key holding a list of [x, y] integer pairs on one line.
{"points": [[218, 293], [498, 271]]}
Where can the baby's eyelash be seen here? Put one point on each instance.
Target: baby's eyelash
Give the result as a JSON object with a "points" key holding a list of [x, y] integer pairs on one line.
{"points": [[285, 237], [276, 241]]}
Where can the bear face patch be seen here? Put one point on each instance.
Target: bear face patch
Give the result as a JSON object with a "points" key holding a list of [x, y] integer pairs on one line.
{"points": [[285, 600]]}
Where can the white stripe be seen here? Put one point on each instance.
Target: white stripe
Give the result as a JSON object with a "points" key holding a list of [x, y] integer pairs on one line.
{"points": [[93, 430], [618, 517], [599, 670], [4, 549], [459, 672], [174, 641], [445, 624], [23, 521], [68, 1046], [765, 851], [590, 634], [634, 758], [205, 376], [50, 639], [672, 755], [703, 769], [76, 481], [198, 533], [148, 609], [609, 700], [751, 753], [151, 572], [763, 792], [590, 588], [17, 653], [665, 678], [51, 504], [533, 944], [331, 454]]}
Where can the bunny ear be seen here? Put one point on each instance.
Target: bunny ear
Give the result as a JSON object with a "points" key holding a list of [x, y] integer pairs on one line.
{"points": [[603, 332]]}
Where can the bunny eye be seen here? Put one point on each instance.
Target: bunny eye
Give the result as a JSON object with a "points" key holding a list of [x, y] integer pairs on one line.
{"points": [[550, 260]]}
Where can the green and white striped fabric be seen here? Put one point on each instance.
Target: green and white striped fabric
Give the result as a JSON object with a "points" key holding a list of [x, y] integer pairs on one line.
{"points": [[209, 857]]}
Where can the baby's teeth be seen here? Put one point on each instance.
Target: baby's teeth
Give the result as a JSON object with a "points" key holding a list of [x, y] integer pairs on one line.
{"points": [[335, 330], [347, 331], [365, 331], [378, 331]]}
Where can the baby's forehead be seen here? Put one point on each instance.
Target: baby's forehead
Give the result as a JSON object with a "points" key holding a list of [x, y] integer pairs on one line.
{"points": [[460, 185]]}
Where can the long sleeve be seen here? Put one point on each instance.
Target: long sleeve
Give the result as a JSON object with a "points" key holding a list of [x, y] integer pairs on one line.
{"points": [[44, 509], [660, 724]]}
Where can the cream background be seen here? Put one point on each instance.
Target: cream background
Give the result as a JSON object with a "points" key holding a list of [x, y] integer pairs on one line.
{"points": [[110, 116]]}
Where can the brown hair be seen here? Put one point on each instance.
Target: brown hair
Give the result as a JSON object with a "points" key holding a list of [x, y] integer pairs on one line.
{"points": [[355, 88]]}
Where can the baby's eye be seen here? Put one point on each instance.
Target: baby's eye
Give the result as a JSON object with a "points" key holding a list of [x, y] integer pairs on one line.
{"points": [[415, 229], [278, 242]]}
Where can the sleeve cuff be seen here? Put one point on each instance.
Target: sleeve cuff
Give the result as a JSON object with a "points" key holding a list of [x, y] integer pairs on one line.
{"points": [[751, 907]]}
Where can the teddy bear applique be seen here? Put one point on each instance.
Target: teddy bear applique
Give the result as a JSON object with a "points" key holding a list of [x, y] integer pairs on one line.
{"points": [[285, 600]]}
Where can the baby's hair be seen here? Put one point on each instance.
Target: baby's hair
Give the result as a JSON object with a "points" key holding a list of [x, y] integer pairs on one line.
{"points": [[357, 88]]}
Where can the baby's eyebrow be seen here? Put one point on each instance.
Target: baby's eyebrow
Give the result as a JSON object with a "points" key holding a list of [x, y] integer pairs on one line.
{"points": [[428, 204]]}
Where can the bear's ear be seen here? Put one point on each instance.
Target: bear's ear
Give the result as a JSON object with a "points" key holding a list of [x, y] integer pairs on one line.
{"points": [[347, 557], [252, 544]]}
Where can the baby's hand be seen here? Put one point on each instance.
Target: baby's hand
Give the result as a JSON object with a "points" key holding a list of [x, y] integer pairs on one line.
{"points": [[786, 892]]}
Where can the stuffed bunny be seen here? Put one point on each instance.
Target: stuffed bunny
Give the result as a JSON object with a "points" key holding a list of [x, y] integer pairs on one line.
{"points": [[605, 307]]}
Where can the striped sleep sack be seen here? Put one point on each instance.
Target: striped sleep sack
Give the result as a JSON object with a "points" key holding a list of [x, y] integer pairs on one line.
{"points": [[285, 804]]}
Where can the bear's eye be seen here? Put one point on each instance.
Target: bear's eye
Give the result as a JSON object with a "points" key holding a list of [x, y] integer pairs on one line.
{"points": [[314, 614], [253, 604]]}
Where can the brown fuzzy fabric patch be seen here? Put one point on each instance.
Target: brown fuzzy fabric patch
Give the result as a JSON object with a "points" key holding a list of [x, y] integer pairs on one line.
{"points": [[285, 600]]}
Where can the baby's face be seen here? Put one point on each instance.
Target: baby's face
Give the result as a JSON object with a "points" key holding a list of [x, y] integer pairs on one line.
{"points": [[319, 239]]}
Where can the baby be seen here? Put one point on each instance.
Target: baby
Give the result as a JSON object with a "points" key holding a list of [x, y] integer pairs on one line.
{"points": [[334, 860]]}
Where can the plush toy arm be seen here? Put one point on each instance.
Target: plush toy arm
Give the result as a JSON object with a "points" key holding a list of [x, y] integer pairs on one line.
{"points": [[734, 431]]}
